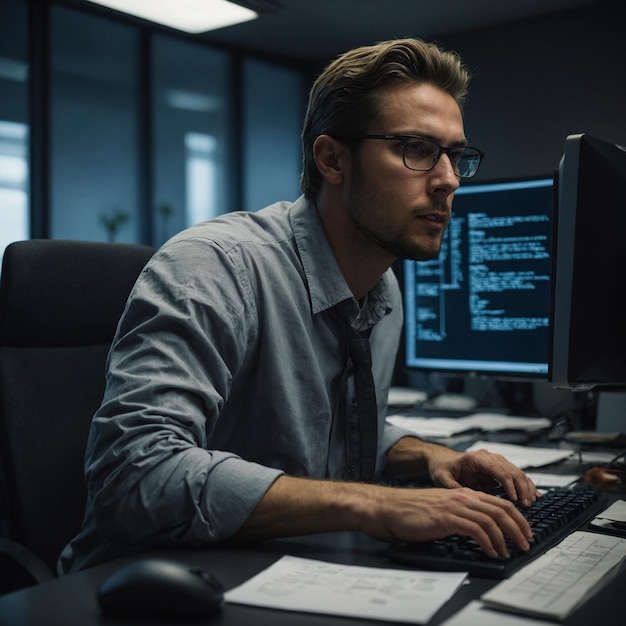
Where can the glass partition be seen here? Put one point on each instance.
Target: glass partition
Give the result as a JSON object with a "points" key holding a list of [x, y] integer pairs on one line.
{"points": [[94, 151], [136, 133], [273, 110], [193, 117]]}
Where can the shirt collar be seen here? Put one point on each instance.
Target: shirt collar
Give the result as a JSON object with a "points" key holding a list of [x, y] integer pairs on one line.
{"points": [[327, 285]]}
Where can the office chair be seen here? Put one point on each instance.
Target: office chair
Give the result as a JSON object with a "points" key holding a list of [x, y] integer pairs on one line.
{"points": [[60, 302]]}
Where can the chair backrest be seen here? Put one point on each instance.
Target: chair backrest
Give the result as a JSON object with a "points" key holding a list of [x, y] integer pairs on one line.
{"points": [[60, 302]]}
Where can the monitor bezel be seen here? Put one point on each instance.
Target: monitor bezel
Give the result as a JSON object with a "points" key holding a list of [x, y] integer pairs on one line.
{"points": [[568, 258]]}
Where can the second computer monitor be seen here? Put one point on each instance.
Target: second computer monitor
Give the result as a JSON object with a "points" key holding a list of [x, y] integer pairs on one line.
{"points": [[589, 305], [484, 305]]}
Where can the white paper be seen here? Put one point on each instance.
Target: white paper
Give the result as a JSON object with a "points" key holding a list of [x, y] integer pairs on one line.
{"points": [[616, 512], [405, 396], [523, 456], [561, 579], [477, 614], [450, 426], [594, 456], [612, 519], [391, 595], [491, 422], [552, 480], [429, 427]]}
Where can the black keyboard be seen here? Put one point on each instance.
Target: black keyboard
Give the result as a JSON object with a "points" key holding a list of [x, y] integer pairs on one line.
{"points": [[552, 517]]}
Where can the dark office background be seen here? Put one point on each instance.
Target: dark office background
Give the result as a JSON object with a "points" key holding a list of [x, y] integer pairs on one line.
{"points": [[110, 129]]}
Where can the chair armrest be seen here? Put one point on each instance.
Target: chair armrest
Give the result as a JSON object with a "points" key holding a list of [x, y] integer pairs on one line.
{"points": [[20, 568]]}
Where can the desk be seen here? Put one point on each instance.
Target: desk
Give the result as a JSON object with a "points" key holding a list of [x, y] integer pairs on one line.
{"points": [[71, 601]]}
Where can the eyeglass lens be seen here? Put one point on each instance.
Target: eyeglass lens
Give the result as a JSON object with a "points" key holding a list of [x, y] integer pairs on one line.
{"points": [[422, 154]]}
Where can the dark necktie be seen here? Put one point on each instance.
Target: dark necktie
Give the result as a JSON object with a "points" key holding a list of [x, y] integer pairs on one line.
{"points": [[362, 411]]}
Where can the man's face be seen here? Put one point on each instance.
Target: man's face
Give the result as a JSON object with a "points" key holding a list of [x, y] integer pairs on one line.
{"points": [[395, 210]]}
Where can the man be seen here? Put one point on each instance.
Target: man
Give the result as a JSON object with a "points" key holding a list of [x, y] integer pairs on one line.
{"points": [[236, 403]]}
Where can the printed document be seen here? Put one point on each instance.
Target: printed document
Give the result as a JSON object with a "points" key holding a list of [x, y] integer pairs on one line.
{"points": [[312, 586], [564, 577]]}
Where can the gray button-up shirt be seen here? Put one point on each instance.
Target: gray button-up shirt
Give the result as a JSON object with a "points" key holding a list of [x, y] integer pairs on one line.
{"points": [[228, 369]]}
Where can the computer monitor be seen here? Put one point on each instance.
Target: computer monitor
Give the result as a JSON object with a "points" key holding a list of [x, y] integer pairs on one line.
{"points": [[588, 348], [483, 307]]}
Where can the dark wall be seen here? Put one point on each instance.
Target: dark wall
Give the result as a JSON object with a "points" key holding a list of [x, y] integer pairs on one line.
{"points": [[536, 81]]}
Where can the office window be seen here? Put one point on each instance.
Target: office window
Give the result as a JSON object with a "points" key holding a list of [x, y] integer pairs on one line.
{"points": [[14, 129], [201, 183], [14, 217], [273, 110], [193, 114], [94, 177]]}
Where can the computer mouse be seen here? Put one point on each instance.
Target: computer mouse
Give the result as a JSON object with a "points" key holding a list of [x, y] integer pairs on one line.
{"points": [[163, 587]]}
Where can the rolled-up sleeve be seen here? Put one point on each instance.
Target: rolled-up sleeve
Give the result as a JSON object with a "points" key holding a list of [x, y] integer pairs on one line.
{"points": [[150, 473]]}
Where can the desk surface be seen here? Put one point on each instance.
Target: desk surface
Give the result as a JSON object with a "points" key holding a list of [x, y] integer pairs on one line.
{"points": [[72, 600]]}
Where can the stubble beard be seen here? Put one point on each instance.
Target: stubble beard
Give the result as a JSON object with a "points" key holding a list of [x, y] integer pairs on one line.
{"points": [[397, 244]]}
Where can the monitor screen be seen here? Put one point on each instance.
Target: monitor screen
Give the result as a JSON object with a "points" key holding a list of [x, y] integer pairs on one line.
{"points": [[483, 306], [589, 289]]}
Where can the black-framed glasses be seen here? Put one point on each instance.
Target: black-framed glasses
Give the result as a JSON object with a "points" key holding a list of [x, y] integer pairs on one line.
{"points": [[422, 154]]}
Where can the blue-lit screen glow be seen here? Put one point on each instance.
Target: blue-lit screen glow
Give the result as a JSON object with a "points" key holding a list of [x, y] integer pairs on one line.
{"points": [[484, 305]]}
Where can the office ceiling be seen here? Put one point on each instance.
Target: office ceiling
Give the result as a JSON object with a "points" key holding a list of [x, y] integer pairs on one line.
{"points": [[314, 31]]}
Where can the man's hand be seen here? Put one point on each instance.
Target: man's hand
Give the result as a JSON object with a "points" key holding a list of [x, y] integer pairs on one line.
{"points": [[479, 470], [425, 514], [296, 506], [447, 468]]}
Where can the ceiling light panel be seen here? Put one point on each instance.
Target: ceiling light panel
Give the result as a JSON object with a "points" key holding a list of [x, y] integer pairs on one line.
{"points": [[191, 16]]}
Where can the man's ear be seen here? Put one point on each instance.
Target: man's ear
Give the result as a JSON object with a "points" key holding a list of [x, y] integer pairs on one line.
{"points": [[332, 158]]}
